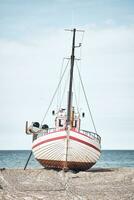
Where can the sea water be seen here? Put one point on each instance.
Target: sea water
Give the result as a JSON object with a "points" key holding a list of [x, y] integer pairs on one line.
{"points": [[108, 159]]}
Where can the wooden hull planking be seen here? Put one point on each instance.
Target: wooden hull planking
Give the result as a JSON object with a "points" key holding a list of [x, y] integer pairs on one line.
{"points": [[71, 150]]}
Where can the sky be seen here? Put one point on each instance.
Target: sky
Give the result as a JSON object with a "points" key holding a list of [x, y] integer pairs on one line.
{"points": [[32, 45]]}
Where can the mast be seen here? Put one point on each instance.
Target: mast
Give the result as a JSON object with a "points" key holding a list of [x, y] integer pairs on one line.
{"points": [[69, 107]]}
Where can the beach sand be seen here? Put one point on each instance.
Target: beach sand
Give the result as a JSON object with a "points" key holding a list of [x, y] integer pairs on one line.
{"points": [[96, 184]]}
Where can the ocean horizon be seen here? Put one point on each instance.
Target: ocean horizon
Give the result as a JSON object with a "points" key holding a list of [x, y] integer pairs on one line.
{"points": [[109, 159]]}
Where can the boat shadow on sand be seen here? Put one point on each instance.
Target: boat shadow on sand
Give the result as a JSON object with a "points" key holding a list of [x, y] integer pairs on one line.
{"points": [[100, 170], [94, 170]]}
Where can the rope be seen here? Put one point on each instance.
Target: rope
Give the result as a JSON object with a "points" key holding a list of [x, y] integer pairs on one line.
{"points": [[65, 86], [86, 99], [54, 93], [59, 91]]}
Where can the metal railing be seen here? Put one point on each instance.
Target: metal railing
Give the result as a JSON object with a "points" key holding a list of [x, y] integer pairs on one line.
{"points": [[88, 133], [92, 134]]}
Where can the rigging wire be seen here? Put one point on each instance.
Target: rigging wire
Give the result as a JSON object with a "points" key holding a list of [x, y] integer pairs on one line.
{"points": [[86, 99], [80, 65], [65, 86], [54, 93], [76, 101], [59, 91]]}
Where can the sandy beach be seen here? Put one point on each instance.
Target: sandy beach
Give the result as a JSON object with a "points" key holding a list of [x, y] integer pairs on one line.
{"points": [[96, 184]]}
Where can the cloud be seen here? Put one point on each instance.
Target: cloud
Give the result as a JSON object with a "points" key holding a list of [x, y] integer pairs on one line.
{"points": [[30, 70]]}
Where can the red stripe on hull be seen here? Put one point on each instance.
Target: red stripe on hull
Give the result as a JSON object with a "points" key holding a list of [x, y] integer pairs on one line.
{"points": [[84, 142], [49, 140], [63, 137]]}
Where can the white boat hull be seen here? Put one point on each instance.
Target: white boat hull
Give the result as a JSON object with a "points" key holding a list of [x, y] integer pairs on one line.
{"points": [[62, 149]]}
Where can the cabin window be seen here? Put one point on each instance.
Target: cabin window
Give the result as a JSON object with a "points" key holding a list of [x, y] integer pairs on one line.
{"points": [[60, 123], [75, 123]]}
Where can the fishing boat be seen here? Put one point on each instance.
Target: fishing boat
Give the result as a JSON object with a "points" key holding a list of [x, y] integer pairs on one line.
{"points": [[67, 145]]}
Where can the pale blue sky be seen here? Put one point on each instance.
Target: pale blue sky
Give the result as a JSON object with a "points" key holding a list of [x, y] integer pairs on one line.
{"points": [[33, 43], [19, 18]]}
